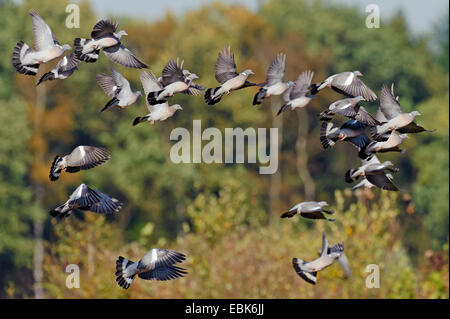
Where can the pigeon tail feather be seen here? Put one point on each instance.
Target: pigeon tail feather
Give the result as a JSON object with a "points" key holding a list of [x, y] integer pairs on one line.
{"points": [[325, 116], [152, 98], [122, 279], [283, 108], [363, 153], [89, 57], [140, 119], [309, 277], [210, 99], [289, 214], [348, 176], [259, 96], [55, 170], [21, 49], [324, 130], [57, 212], [316, 87], [114, 101], [46, 77]]}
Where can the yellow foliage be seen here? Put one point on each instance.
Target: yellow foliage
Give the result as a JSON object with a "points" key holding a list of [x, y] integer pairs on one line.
{"points": [[227, 258]]}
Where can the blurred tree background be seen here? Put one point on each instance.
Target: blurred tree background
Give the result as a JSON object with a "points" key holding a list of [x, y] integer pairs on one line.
{"points": [[225, 217]]}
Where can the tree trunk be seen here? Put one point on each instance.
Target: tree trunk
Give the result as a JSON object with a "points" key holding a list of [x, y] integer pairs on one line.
{"points": [[38, 259], [38, 226], [275, 179], [90, 254], [180, 213], [309, 187]]}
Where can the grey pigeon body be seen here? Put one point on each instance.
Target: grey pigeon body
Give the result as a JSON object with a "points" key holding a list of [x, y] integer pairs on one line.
{"points": [[157, 264], [64, 69], [118, 89], [390, 145], [393, 117], [310, 210], [81, 158], [225, 73], [274, 84], [299, 94], [363, 183], [366, 184], [105, 37], [375, 173], [87, 199], [157, 112], [350, 108], [308, 270], [348, 84], [343, 262], [194, 89], [174, 80], [46, 48], [351, 131]]}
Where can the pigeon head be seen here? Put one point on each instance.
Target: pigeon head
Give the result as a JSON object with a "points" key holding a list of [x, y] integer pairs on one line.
{"points": [[248, 72], [176, 107], [192, 76], [388, 163], [138, 93], [66, 47], [290, 84], [120, 34], [415, 113], [403, 136], [357, 99], [357, 73]]}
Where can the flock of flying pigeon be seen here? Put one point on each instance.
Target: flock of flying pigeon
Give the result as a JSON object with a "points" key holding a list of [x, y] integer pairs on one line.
{"points": [[160, 264]]}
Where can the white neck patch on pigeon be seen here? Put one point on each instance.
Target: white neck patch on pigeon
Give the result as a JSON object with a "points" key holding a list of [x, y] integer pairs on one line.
{"points": [[154, 255], [79, 191], [346, 106], [82, 151], [349, 79]]}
